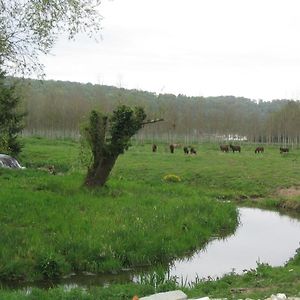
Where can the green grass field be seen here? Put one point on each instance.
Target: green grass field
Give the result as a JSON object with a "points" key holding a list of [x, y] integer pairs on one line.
{"points": [[51, 225]]}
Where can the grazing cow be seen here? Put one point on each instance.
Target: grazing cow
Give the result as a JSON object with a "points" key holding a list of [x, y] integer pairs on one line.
{"points": [[259, 150], [193, 151], [186, 150], [172, 147], [283, 150], [235, 148], [154, 148], [224, 148]]}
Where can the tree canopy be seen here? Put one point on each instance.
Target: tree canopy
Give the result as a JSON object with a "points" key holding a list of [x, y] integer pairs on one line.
{"points": [[31, 27]]}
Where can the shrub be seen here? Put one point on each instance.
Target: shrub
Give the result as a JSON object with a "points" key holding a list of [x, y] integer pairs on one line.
{"points": [[172, 178]]}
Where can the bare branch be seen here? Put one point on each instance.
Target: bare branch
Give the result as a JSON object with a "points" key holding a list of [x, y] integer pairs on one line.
{"points": [[152, 121]]}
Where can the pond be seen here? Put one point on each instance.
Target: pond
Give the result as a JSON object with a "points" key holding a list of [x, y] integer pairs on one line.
{"points": [[261, 237]]}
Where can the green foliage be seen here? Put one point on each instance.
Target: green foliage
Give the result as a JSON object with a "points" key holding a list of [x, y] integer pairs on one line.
{"points": [[30, 27], [125, 122], [11, 120], [110, 136], [94, 136]]}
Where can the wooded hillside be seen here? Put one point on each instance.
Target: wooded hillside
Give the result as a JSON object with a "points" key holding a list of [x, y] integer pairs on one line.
{"points": [[56, 108]]}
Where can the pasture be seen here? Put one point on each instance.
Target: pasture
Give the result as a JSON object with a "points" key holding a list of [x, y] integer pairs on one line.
{"points": [[51, 225]]}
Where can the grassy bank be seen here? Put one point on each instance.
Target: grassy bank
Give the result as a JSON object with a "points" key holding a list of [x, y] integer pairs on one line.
{"points": [[51, 225]]}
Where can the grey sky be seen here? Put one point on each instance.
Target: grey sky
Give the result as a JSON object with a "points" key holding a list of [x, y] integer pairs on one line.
{"points": [[245, 48]]}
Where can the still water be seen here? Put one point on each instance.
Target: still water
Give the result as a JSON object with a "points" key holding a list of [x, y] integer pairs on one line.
{"points": [[262, 236]]}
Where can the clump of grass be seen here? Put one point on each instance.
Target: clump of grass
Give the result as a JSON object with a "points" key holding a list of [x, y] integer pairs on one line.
{"points": [[160, 280]]}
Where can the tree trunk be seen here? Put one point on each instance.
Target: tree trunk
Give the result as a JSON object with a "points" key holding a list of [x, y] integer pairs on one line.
{"points": [[98, 174]]}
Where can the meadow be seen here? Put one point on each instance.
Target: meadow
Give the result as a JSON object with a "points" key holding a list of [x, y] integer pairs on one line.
{"points": [[51, 225]]}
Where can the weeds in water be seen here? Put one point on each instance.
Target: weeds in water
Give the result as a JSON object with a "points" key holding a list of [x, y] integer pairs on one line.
{"points": [[160, 280], [50, 266]]}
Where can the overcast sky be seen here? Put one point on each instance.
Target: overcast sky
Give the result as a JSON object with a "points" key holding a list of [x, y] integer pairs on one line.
{"points": [[247, 48]]}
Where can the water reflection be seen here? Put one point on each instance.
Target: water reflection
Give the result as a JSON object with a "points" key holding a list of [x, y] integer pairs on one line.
{"points": [[263, 236], [75, 280]]}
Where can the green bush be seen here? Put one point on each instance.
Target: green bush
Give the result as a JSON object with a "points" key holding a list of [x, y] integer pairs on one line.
{"points": [[172, 178]]}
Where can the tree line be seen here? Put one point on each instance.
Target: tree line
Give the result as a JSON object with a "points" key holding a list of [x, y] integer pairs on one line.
{"points": [[57, 108]]}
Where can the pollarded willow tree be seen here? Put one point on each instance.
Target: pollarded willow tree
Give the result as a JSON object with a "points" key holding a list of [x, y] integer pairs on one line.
{"points": [[106, 137], [29, 28]]}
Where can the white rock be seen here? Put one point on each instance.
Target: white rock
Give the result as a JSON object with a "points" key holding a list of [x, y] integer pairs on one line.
{"points": [[204, 298], [173, 295], [7, 161], [278, 297]]}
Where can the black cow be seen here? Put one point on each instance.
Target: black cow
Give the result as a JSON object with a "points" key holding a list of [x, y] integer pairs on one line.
{"points": [[235, 148], [283, 150]]}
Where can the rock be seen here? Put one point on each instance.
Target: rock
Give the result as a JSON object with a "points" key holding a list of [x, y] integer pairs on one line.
{"points": [[7, 161], [173, 295], [203, 298], [278, 297]]}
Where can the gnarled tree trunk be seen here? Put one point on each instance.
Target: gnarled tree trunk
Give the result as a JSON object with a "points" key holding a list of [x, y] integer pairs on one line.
{"points": [[98, 174]]}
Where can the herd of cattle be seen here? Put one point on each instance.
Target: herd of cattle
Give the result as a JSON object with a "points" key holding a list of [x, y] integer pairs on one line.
{"points": [[223, 148]]}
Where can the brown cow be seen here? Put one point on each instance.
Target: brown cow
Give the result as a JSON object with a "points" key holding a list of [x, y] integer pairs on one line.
{"points": [[259, 150], [172, 147], [224, 148]]}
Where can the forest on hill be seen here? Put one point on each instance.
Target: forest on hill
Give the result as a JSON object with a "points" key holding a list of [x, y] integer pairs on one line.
{"points": [[57, 108]]}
